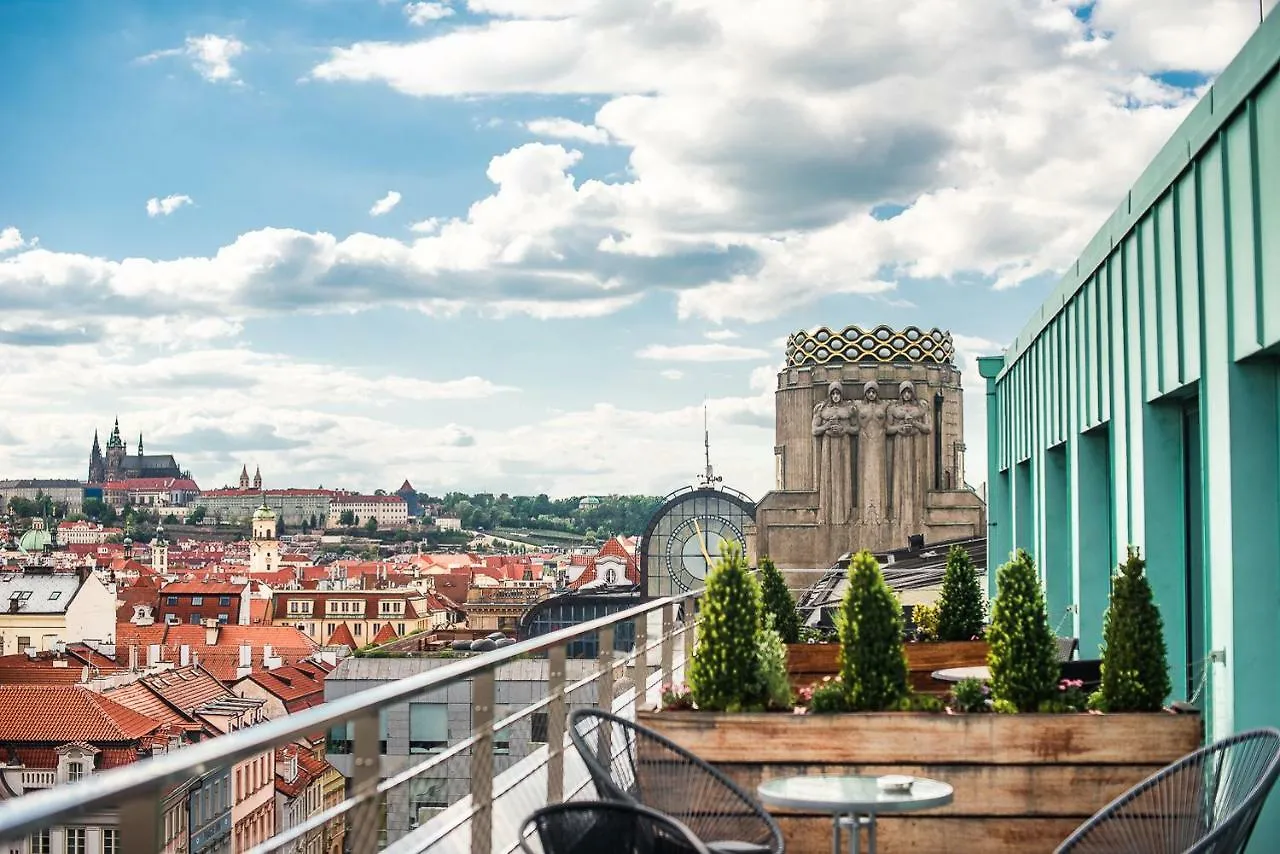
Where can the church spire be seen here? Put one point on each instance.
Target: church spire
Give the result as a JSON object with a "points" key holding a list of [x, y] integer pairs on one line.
{"points": [[139, 444], [115, 441], [97, 449], [244, 477], [257, 482]]}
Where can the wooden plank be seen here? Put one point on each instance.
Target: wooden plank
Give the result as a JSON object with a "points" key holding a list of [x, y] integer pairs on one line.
{"points": [[925, 835], [890, 738], [1044, 791]]}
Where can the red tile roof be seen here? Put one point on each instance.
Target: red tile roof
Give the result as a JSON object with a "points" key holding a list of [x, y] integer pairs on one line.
{"points": [[342, 637], [145, 484], [386, 634], [270, 493], [65, 713], [202, 588], [223, 658], [44, 669], [298, 686]]}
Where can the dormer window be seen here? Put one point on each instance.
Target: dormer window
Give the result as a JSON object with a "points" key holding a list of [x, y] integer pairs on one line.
{"points": [[75, 770]]}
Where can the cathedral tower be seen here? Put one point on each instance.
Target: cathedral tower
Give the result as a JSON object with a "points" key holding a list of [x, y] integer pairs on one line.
{"points": [[115, 454], [244, 477], [264, 547], [257, 478], [97, 465]]}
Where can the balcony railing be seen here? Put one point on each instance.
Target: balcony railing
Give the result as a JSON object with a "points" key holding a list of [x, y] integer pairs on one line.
{"points": [[486, 821]]}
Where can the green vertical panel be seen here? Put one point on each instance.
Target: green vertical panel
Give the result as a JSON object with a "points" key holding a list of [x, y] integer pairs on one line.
{"points": [[1059, 379], [1118, 268], [1023, 521], [1215, 414], [1189, 275], [1089, 343], [1238, 183], [1136, 351], [1165, 509], [1267, 150], [1092, 535], [1056, 557], [1170, 312], [1107, 335], [1151, 328], [1075, 365]]}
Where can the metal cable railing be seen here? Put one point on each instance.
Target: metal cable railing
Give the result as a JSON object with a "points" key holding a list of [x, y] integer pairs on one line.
{"points": [[359, 823]]}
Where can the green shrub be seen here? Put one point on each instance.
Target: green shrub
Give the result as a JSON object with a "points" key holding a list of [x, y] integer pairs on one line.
{"points": [[1135, 675], [829, 698], [779, 602], [773, 667], [725, 672], [873, 663], [919, 703], [1024, 654], [971, 695], [961, 613]]}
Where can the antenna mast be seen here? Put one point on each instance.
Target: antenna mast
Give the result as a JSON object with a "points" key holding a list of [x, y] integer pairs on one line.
{"points": [[709, 478]]}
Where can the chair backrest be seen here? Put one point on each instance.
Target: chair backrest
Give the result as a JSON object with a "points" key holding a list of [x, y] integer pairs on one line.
{"points": [[630, 762], [1067, 648], [588, 827], [1205, 802], [1088, 671]]}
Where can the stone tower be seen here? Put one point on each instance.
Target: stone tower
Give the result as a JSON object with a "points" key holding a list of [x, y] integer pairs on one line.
{"points": [[97, 464], [264, 546], [244, 477], [116, 452], [257, 478], [869, 447]]}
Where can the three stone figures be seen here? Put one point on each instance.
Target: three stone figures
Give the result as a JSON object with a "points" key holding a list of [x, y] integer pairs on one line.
{"points": [[872, 456]]}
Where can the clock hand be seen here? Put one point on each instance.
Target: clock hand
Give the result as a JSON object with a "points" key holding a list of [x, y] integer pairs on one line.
{"points": [[702, 544]]}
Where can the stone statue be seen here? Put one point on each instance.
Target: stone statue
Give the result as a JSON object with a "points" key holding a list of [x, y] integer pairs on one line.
{"points": [[869, 415], [908, 428], [833, 428]]}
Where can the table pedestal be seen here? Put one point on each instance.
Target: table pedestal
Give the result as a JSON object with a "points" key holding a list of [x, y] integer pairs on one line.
{"points": [[855, 823]]}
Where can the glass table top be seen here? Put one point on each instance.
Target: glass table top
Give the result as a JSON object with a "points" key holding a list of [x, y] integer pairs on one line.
{"points": [[832, 793]]}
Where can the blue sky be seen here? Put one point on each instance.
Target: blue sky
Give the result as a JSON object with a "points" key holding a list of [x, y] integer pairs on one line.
{"points": [[621, 210]]}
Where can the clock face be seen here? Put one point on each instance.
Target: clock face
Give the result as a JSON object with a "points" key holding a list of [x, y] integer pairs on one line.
{"points": [[683, 539]]}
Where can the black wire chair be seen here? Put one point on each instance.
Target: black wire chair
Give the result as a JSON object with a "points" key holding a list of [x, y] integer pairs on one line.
{"points": [[591, 827], [631, 763], [1205, 803]]}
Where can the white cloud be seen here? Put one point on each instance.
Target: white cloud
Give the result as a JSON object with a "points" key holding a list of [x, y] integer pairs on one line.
{"points": [[167, 205], [721, 335], [11, 239], [671, 374], [210, 55], [423, 13], [701, 353], [557, 128], [385, 204]]}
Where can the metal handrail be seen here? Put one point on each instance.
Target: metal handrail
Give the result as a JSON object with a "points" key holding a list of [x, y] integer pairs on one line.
{"points": [[38, 810]]}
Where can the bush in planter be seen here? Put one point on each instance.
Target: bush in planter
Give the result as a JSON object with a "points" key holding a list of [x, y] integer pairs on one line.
{"points": [[961, 614], [1135, 675], [773, 667], [1024, 654], [873, 663], [724, 675], [779, 602], [926, 619]]}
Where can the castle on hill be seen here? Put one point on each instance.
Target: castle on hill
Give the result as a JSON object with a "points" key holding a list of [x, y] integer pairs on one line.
{"points": [[115, 463]]}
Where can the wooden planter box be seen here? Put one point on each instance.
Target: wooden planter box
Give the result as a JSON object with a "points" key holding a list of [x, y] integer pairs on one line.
{"points": [[810, 662], [1022, 782]]}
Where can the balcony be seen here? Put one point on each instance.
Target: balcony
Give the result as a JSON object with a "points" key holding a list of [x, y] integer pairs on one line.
{"points": [[396, 806]]}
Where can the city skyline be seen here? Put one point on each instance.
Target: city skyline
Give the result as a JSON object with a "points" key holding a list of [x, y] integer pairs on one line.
{"points": [[513, 246]]}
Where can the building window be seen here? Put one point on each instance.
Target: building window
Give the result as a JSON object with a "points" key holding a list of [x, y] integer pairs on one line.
{"points": [[110, 841], [224, 601], [41, 842], [428, 727], [222, 618], [359, 628], [75, 840], [197, 601], [400, 629], [328, 630], [195, 619], [171, 600], [23, 642], [75, 770], [538, 727]]}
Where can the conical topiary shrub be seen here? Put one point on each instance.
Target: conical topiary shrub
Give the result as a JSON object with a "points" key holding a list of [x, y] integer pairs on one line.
{"points": [[873, 663], [1135, 672], [961, 613], [1024, 654], [725, 672], [779, 602]]}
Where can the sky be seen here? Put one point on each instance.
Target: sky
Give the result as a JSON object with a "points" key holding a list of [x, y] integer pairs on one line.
{"points": [[518, 245]]}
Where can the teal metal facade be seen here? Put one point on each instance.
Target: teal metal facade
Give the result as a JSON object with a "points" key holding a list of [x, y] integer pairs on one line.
{"points": [[1141, 405]]}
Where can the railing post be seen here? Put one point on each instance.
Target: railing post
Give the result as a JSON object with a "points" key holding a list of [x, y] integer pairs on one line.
{"points": [[668, 626], [366, 816], [555, 724], [482, 763], [140, 822], [640, 660], [604, 694]]}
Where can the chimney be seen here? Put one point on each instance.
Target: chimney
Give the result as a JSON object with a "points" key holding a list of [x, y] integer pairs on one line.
{"points": [[184, 655], [210, 632], [133, 658], [246, 661]]}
